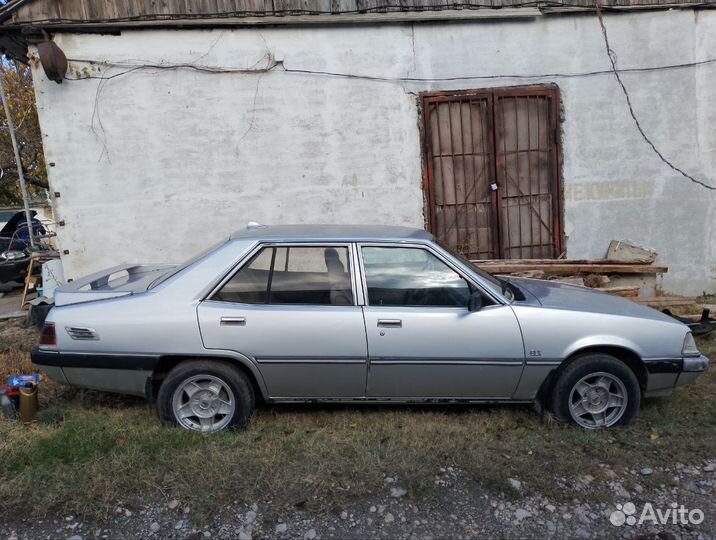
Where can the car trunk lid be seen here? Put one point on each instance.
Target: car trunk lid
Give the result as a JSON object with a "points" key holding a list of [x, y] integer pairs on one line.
{"points": [[115, 282]]}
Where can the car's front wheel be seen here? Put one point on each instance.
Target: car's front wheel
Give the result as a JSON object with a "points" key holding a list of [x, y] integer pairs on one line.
{"points": [[206, 396], [595, 391]]}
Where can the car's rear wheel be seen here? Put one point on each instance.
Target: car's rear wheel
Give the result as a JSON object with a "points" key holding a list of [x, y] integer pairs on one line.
{"points": [[206, 396], [595, 391]]}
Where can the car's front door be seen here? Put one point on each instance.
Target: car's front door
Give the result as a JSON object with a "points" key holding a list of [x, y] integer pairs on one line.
{"points": [[423, 342], [292, 310]]}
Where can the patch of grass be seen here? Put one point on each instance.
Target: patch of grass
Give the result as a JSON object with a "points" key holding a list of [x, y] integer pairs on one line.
{"points": [[110, 448], [16, 340], [51, 416]]}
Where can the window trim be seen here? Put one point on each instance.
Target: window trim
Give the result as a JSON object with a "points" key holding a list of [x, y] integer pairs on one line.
{"points": [[425, 247], [249, 256]]}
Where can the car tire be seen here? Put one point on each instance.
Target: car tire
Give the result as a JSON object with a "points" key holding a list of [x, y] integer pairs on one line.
{"points": [[595, 391], [206, 396]]}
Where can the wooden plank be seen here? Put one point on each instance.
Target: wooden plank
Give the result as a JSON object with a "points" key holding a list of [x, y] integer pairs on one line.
{"points": [[13, 314], [625, 292], [553, 269], [666, 301], [528, 262]]}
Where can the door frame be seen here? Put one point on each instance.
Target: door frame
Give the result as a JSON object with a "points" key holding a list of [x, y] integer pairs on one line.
{"points": [[457, 364], [549, 90], [363, 283], [274, 370]]}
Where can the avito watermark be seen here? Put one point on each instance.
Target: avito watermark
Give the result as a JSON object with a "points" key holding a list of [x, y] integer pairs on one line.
{"points": [[675, 514]]}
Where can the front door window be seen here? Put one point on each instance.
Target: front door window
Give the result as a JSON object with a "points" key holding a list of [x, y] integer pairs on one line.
{"points": [[411, 277]]}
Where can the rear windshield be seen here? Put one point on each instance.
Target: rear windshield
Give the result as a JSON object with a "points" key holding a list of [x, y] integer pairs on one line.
{"points": [[196, 258]]}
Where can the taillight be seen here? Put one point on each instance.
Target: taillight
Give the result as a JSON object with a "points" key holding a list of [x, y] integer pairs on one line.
{"points": [[48, 336]]}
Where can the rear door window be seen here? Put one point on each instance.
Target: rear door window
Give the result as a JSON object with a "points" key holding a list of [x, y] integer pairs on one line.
{"points": [[292, 275]]}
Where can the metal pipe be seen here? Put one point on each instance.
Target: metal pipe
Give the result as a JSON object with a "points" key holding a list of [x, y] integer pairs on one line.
{"points": [[20, 173]]}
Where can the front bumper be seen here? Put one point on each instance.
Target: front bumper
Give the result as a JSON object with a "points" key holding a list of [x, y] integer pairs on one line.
{"points": [[693, 367], [665, 374], [695, 364]]}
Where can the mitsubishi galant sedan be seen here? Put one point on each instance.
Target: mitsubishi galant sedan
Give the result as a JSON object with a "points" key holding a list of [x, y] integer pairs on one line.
{"points": [[359, 314]]}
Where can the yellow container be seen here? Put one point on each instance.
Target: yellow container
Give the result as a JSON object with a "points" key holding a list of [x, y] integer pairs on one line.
{"points": [[28, 403]]}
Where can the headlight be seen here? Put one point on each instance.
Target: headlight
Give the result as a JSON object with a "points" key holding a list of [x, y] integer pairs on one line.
{"points": [[690, 348], [11, 255]]}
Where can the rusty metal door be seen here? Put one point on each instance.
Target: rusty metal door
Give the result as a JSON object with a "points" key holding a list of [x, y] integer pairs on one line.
{"points": [[460, 169], [492, 175], [526, 159]]}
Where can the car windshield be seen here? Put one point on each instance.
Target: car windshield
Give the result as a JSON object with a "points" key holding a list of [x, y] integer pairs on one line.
{"points": [[497, 285], [174, 271]]}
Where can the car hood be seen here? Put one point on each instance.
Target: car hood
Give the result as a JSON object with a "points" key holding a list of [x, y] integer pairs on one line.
{"points": [[552, 294]]}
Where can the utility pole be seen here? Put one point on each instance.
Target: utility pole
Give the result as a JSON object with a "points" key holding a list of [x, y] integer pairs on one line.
{"points": [[20, 173]]}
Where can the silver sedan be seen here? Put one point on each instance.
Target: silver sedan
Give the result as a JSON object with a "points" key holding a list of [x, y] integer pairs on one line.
{"points": [[360, 314]]}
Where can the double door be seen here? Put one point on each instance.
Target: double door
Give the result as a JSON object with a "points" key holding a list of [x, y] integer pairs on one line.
{"points": [[492, 171]]}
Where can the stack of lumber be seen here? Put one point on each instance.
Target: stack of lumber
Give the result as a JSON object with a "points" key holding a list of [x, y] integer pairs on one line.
{"points": [[624, 278], [627, 270], [567, 267]]}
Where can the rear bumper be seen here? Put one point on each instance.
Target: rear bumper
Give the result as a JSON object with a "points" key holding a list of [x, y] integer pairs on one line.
{"points": [[45, 357], [120, 373]]}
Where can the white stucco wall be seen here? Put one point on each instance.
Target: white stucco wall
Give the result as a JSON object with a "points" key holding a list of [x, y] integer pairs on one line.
{"points": [[155, 164]]}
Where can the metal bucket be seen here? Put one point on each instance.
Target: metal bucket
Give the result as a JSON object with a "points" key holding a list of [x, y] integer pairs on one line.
{"points": [[28, 403]]}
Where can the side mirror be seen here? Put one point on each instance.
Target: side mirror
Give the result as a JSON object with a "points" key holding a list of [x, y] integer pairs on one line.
{"points": [[475, 302]]}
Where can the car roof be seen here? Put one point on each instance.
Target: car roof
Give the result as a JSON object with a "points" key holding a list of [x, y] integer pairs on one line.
{"points": [[347, 233]]}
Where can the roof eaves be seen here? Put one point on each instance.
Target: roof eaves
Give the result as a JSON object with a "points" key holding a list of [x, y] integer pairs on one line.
{"points": [[11, 7]]}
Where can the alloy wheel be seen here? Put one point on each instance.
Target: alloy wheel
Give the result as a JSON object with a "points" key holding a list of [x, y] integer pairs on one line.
{"points": [[203, 403], [598, 400]]}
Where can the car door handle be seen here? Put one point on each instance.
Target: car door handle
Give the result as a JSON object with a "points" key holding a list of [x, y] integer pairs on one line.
{"points": [[390, 323], [233, 321]]}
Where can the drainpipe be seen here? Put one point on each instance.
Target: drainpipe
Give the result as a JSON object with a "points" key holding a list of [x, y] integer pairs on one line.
{"points": [[20, 173]]}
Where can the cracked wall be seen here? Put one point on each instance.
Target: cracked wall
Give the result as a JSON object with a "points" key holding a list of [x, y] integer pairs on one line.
{"points": [[155, 164]]}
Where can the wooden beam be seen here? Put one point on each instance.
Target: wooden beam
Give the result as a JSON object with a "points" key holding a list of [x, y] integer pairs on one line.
{"points": [[556, 261], [666, 301], [625, 292], [552, 269]]}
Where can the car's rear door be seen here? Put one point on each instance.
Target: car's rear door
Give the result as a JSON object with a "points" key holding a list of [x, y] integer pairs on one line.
{"points": [[292, 309], [423, 342]]}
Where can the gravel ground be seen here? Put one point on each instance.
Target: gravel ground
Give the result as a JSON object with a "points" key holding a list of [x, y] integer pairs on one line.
{"points": [[460, 509]]}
